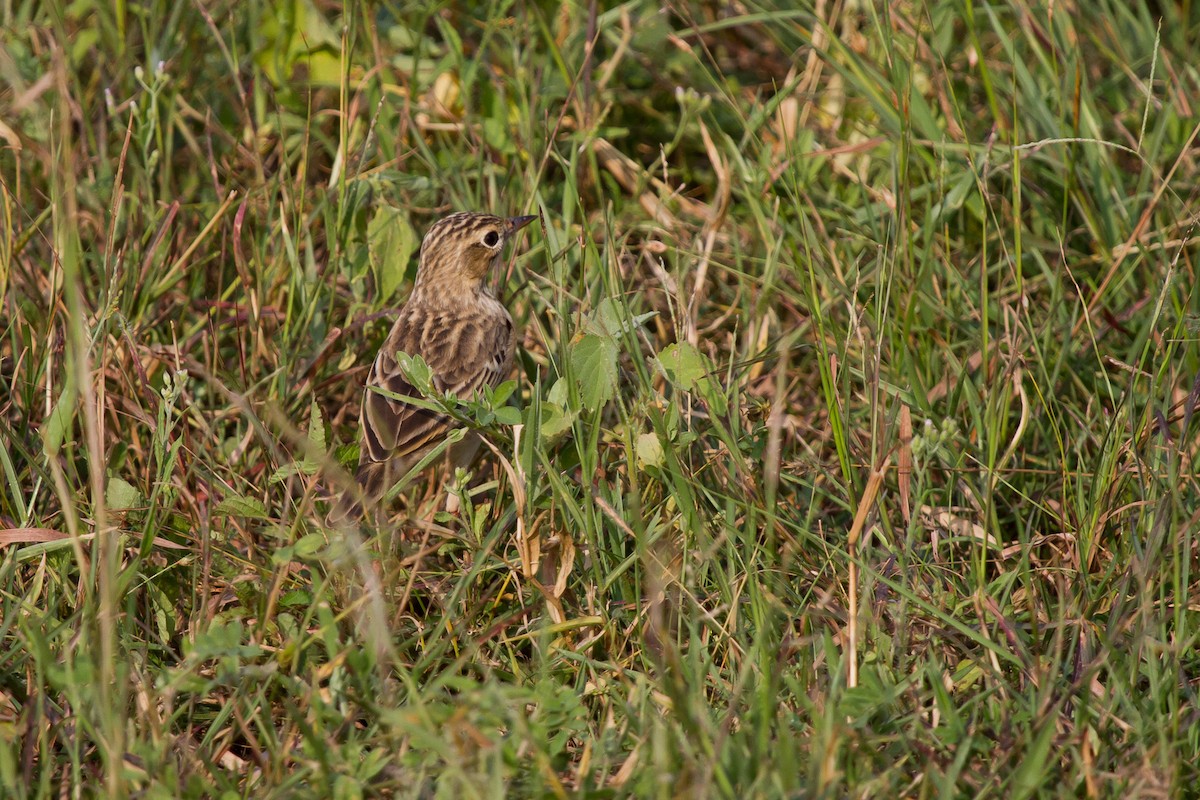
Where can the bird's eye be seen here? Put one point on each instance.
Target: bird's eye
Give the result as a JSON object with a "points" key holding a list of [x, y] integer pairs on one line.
{"points": [[491, 238]]}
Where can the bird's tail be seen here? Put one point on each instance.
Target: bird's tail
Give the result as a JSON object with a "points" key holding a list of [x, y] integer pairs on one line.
{"points": [[371, 480]]}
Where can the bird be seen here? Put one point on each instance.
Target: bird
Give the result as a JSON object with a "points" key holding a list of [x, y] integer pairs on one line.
{"points": [[466, 336]]}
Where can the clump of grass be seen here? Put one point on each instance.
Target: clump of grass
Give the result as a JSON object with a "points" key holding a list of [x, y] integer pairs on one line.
{"points": [[850, 451]]}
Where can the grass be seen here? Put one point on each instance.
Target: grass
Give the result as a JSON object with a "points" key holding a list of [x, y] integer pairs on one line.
{"points": [[851, 450]]}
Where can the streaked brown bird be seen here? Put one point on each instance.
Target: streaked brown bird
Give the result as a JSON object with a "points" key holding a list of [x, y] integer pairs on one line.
{"points": [[463, 333]]}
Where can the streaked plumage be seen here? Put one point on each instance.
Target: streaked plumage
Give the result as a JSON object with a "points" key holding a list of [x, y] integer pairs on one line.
{"points": [[461, 331]]}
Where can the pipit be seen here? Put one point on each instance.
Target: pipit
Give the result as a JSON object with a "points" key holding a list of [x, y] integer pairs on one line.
{"points": [[463, 333]]}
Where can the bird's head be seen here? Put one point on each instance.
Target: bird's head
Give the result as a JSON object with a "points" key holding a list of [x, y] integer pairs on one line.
{"points": [[460, 250]]}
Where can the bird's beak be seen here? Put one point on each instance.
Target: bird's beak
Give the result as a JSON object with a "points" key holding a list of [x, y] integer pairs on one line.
{"points": [[516, 223]]}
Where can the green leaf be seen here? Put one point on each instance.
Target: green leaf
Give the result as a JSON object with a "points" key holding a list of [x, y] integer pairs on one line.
{"points": [[316, 429], [594, 362], [316, 445], [495, 133], [418, 373], [293, 468], [61, 418], [650, 450], [953, 200], [309, 544], [234, 505], [690, 370], [508, 415], [391, 241], [121, 495], [502, 392], [558, 394], [612, 319], [1034, 770], [299, 44], [296, 597], [876, 693], [222, 639], [683, 364], [83, 41], [347, 455], [555, 419]]}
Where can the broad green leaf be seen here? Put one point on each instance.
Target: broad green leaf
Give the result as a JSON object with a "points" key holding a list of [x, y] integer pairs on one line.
{"points": [[82, 43], [954, 198], [495, 133], [558, 394], [502, 392], [309, 544], [346, 455], [296, 597], [316, 444], [555, 421], [417, 371], [610, 319], [391, 241], [54, 431], [650, 450], [594, 361], [689, 369], [121, 495], [508, 415], [293, 468], [234, 505], [299, 44], [316, 429], [683, 364]]}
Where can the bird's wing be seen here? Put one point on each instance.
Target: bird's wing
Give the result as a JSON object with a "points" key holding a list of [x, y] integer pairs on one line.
{"points": [[464, 352]]}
